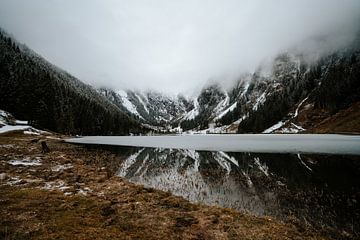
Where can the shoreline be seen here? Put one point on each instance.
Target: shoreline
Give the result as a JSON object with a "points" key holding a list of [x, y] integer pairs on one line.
{"points": [[72, 192]]}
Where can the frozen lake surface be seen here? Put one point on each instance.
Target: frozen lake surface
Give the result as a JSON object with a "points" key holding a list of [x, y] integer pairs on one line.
{"points": [[264, 143]]}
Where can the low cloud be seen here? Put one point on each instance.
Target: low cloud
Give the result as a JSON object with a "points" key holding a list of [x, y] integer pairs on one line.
{"points": [[175, 46]]}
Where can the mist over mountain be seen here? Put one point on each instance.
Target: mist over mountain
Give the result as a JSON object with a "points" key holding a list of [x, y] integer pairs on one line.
{"points": [[177, 47], [230, 67]]}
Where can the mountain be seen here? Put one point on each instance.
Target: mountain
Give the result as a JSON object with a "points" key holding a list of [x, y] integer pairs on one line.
{"points": [[150, 107], [289, 94], [35, 90]]}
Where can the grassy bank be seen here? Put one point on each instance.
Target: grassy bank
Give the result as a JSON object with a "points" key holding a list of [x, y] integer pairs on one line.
{"points": [[72, 193]]}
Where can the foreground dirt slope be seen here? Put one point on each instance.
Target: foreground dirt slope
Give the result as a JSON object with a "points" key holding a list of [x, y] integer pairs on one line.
{"points": [[72, 193]]}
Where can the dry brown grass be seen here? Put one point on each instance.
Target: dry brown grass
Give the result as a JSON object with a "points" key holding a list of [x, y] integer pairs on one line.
{"points": [[114, 209]]}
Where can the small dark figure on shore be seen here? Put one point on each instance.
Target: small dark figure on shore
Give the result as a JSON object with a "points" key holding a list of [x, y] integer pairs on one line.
{"points": [[45, 148]]}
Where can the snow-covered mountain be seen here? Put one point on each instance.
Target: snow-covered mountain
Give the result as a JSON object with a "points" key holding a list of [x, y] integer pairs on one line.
{"points": [[149, 107], [272, 99], [286, 94]]}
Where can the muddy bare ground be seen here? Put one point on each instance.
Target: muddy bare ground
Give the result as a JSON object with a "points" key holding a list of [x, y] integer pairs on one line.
{"points": [[72, 193]]}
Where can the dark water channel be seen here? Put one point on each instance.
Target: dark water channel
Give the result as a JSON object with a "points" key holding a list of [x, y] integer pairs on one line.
{"points": [[318, 190]]}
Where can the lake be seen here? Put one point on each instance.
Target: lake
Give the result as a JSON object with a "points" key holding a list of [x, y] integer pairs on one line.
{"points": [[269, 143], [313, 179]]}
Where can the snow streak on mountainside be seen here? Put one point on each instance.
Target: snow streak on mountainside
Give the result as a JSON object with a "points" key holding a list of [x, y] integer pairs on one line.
{"points": [[149, 107]]}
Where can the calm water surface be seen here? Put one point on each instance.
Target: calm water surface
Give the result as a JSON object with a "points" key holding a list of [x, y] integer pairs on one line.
{"points": [[318, 189]]}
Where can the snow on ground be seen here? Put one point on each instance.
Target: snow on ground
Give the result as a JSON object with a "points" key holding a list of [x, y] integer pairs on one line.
{"points": [[7, 146], [194, 112], [127, 104], [223, 113], [19, 125], [59, 168], [9, 128], [85, 191], [56, 185], [12, 181], [241, 119], [25, 162], [274, 127], [292, 129], [298, 107], [20, 122], [222, 105], [143, 103], [259, 101], [4, 117]]}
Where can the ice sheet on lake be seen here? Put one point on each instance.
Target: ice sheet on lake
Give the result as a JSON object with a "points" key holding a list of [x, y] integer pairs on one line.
{"points": [[270, 143]]}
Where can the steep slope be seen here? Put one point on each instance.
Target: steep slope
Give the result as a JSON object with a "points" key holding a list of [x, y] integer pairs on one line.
{"points": [[149, 107], [211, 102], [287, 95], [327, 87], [33, 89], [222, 110]]}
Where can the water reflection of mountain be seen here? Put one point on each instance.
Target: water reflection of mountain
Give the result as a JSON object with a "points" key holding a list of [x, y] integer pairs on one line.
{"points": [[314, 189]]}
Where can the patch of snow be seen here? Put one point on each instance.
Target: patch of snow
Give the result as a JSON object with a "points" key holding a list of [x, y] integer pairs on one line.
{"points": [[294, 129], [246, 87], [85, 191], [31, 133], [56, 185], [260, 100], [9, 128], [7, 146], [274, 127], [241, 119], [222, 105], [142, 102], [280, 183], [19, 122], [127, 104], [298, 127], [298, 107], [194, 112], [25, 162], [13, 181], [59, 168], [229, 109]]}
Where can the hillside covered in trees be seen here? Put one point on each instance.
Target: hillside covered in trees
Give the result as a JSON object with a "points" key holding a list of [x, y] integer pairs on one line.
{"points": [[33, 89]]}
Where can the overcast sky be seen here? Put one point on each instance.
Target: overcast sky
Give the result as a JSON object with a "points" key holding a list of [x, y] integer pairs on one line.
{"points": [[172, 45]]}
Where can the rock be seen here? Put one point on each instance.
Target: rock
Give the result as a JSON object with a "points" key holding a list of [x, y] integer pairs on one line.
{"points": [[34, 140], [107, 211], [3, 176]]}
